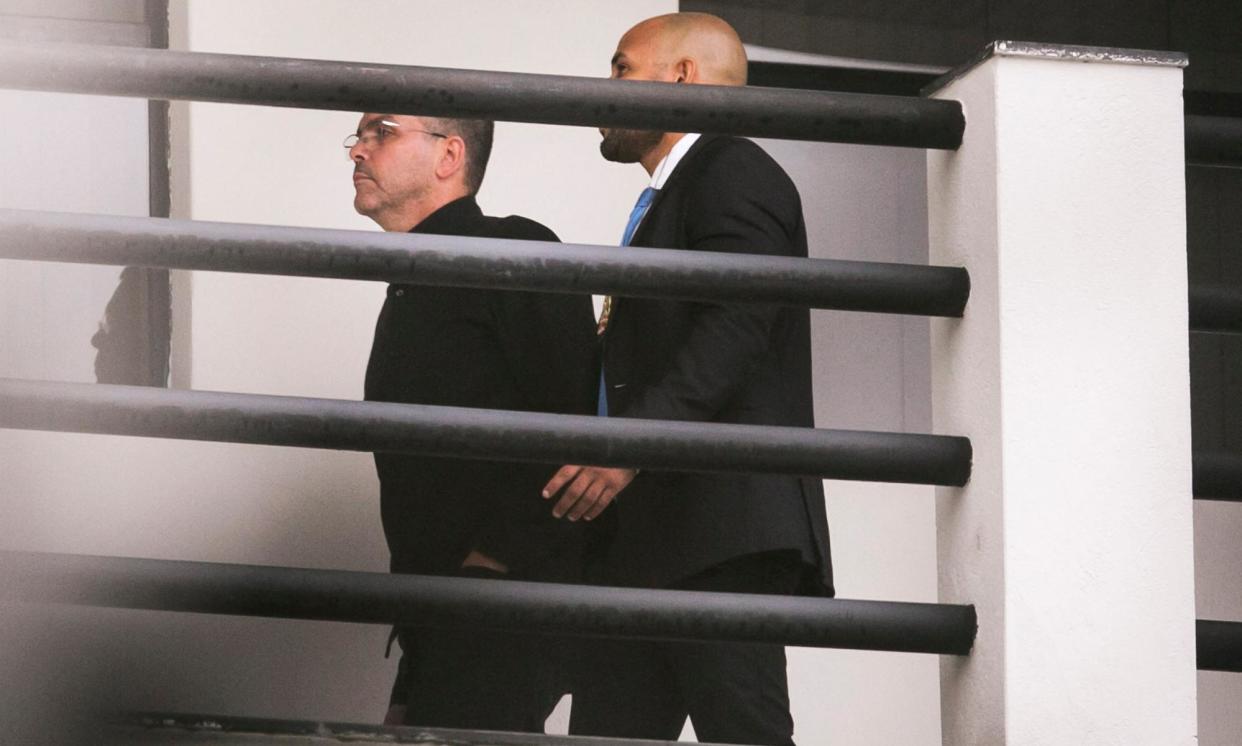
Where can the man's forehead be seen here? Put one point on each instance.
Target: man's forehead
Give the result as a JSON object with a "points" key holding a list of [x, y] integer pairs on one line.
{"points": [[631, 52], [370, 118], [644, 40]]}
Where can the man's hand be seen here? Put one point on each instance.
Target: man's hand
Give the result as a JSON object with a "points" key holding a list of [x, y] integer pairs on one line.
{"points": [[587, 490]]}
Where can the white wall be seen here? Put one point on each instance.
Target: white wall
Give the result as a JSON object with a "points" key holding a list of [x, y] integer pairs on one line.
{"points": [[1070, 373], [234, 503], [871, 373]]}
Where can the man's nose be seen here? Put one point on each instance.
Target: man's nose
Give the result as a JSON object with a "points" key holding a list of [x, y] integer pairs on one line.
{"points": [[357, 153]]}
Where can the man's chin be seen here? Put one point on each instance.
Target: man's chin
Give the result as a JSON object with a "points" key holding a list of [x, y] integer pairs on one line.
{"points": [[612, 152], [628, 146]]}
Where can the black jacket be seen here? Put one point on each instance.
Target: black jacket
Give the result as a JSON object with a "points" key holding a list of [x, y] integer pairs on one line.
{"points": [[677, 360], [495, 349]]}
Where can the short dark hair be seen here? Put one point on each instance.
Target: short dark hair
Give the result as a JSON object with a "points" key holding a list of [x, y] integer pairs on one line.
{"points": [[477, 134]]}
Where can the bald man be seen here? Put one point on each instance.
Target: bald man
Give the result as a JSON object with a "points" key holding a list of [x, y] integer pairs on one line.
{"points": [[706, 362]]}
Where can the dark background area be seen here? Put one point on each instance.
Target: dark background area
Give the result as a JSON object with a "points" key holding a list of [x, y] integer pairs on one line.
{"points": [[949, 32]]}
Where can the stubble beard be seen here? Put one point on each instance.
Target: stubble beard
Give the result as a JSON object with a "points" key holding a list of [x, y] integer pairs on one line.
{"points": [[376, 203], [366, 198], [370, 207], [628, 146]]}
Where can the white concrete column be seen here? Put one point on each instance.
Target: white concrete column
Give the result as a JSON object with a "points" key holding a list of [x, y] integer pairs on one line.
{"points": [[1070, 375]]}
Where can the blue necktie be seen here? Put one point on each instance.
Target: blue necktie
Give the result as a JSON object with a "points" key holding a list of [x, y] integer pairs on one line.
{"points": [[636, 217]]}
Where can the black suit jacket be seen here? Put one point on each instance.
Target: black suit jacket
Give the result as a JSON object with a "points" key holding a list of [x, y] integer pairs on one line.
{"points": [[496, 349], [677, 360]]}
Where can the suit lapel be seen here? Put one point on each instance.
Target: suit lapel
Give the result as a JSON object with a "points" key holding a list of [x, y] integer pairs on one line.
{"points": [[641, 237], [684, 166], [644, 228]]}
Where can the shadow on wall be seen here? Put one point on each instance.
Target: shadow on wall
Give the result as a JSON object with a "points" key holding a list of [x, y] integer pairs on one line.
{"points": [[132, 342]]}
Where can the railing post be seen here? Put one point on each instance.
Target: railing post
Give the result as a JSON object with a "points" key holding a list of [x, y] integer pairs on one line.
{"points": [[1069, 372]]}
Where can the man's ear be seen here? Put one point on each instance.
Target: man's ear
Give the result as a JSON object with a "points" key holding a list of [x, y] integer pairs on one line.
{"points": [[685, 70], [452, 158]]}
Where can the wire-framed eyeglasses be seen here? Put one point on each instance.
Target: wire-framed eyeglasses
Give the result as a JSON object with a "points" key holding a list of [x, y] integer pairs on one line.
{"points": [[375, 133]]}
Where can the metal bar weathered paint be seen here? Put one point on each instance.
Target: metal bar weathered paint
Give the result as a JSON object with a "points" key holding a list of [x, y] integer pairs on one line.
{"points": [[382, 598], [483, 433], [481, 262], [182, 729], [905, 121]]}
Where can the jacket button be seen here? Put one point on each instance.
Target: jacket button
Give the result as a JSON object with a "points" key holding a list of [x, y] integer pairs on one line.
{"points": [[400, 292]]}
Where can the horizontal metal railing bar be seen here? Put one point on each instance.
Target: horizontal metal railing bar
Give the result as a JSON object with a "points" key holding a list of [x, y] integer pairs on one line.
{"points": [[857, 77], [905, 121], [482, 262], [382, 598], [179, 728], [1212, 102], [1216, 308], [483, 433], [1213, 141], [1217, 476], [1218, 645]]}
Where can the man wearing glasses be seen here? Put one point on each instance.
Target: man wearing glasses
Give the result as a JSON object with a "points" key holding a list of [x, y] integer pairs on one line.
{"points": [[495, 349]]}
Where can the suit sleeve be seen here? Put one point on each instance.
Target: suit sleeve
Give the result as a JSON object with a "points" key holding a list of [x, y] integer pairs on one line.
{"points": [[548, 342], [741, 202]]}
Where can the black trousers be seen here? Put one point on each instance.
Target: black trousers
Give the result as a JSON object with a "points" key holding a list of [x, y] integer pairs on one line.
{"points": [[732, 693], [478, 679]]}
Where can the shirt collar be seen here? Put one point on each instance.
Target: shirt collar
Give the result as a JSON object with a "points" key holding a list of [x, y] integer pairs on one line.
{"points": [[449, 218], [664, 169]]}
